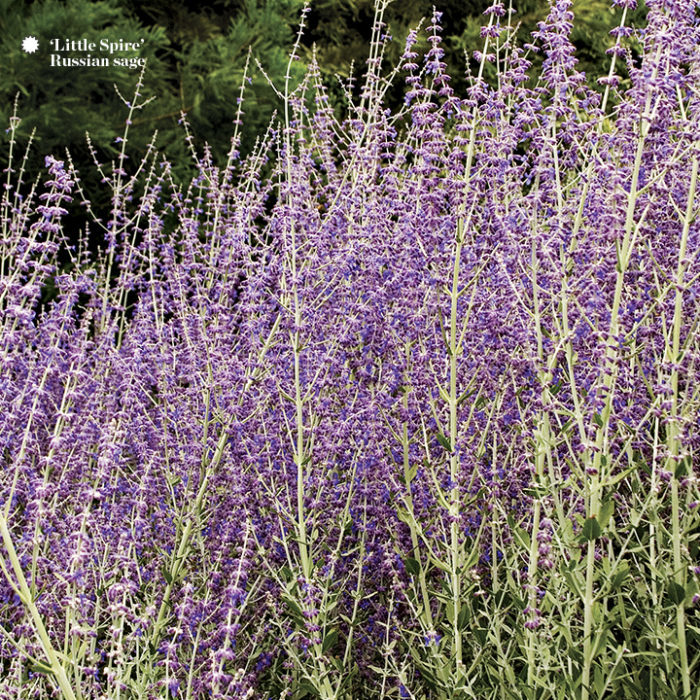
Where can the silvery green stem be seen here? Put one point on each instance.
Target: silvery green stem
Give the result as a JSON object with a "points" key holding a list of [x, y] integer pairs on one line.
{"points": [[673, 443], [595, 481], [25, 595]]}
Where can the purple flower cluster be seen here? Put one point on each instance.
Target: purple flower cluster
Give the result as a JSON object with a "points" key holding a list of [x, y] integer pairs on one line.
{"points": [[302, 389]]}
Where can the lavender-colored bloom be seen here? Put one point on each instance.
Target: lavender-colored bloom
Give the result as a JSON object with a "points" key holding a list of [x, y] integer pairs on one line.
{"points": [[299, 401]]}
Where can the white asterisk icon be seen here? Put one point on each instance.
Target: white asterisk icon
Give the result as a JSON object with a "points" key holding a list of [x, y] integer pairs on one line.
{"points": [[30, 44]]}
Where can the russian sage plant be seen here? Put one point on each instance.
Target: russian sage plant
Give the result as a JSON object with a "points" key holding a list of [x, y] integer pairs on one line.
{"points": [[397, 405]]}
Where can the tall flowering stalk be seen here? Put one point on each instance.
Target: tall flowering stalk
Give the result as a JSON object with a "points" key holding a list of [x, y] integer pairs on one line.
{"points": [[400, 404]]}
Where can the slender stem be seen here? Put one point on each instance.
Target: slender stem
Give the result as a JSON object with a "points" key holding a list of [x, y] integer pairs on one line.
{"points": [[455, 498], [184, 543], [302, 447], [427, 614], [673, 430], [594, 480], [26, 597]]}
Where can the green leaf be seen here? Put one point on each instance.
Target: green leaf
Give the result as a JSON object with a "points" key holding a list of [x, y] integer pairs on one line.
{"points": [[293, 607], [574, 580], [620, 575], [537, 491], [444, 442], [522, 537], [440, 565], [329, 641], [411, 474], [598, 680], [566, 531], [412, 566], [600, 642], [682, 468], [676, 593], [606, 510], [621, 475], [591, 529], [39, 667], [463, 617], [404, 516], [306, 689]]}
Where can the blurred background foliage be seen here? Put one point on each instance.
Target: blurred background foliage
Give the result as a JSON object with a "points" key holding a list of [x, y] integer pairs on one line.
{"points": [[196, 54]]}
